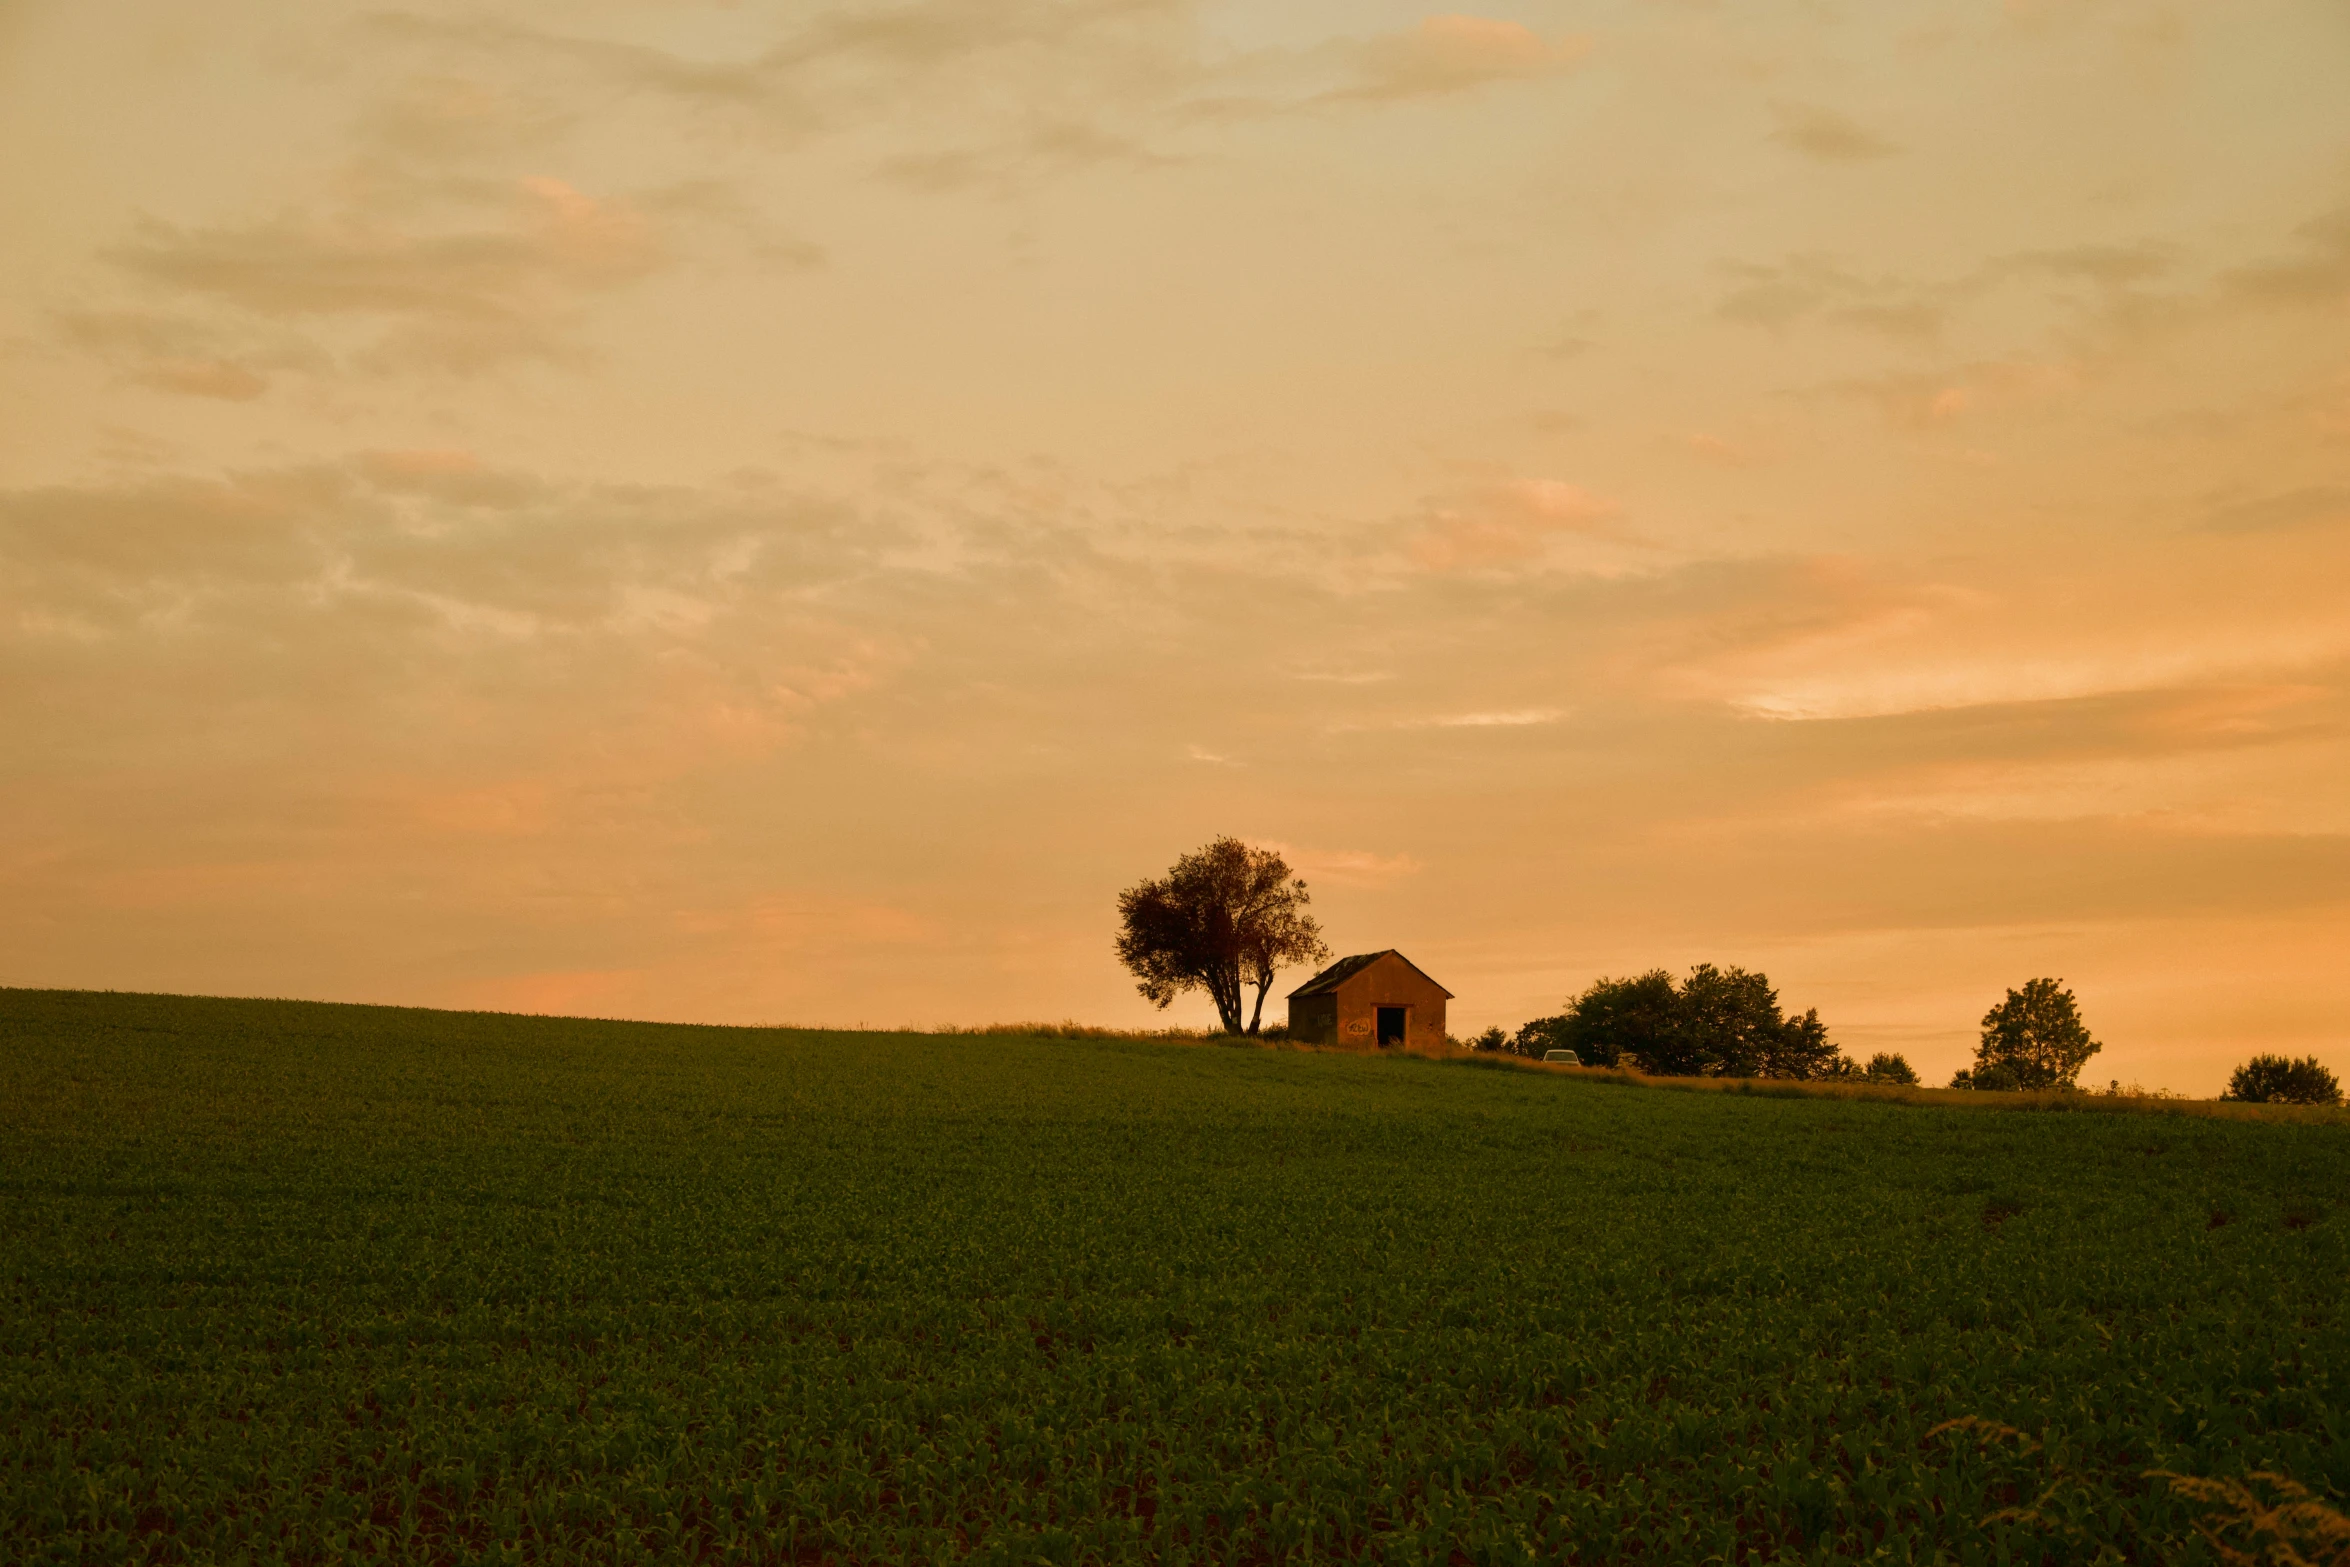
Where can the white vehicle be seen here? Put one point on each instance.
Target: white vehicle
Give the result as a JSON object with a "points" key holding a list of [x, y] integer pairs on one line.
{"points": [[1561, 1058]]}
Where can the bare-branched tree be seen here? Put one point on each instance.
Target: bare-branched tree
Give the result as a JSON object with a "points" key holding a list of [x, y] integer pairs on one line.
{"points": [[1226, 917]]}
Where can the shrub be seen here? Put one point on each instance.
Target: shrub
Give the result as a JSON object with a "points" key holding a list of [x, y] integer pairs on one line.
{"points": [[2274, 1080], [1888, 1067]]}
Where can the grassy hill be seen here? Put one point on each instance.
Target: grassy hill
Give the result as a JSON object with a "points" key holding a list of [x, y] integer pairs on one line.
{"points": [[303, 1281]]}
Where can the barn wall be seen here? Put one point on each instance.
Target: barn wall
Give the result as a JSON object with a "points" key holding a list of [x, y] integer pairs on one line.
{"points": [[1314, 1019], [1390, 982]]}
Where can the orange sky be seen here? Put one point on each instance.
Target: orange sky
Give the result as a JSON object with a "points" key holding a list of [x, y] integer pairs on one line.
{"points": [[776, 513]]}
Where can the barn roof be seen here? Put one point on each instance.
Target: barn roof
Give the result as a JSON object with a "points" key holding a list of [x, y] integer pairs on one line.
{"points": [[1346, 968]]}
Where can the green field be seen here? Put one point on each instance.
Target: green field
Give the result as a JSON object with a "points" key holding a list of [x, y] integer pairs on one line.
{"points": [[301, 1282]]}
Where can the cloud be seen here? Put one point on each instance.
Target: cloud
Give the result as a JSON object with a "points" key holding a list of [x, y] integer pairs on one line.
{"points": [[1869, 651], [1724, 453], [2317, 505], [1490, 718], [421, 543], [1347, 867], [1452, 54], [444, 118], [1922, 401], [1508, 524], [1804, 286], [190, 358], [456, 299], [1513, 718], [1827, 135], [1039, 151], [843, 64], [2318, 273], [2112, 266]]}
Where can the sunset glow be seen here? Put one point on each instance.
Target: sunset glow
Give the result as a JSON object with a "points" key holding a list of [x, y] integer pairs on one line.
{"points": [[775, 513]]}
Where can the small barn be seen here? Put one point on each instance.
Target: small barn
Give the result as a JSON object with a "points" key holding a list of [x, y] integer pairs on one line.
{"points": [[1372, 1001]]}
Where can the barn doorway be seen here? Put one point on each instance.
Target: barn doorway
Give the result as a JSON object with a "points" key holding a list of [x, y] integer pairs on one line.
{"points": [[1390, 1026]]}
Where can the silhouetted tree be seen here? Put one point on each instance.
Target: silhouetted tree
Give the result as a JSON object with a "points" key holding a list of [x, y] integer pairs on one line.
{"points": [[2275, 1080], [2033, 1039], [1802, 1049], [1611, 1020], [1886, 1067], [1227, 916], [1718, 1020], [1729, 1024]]}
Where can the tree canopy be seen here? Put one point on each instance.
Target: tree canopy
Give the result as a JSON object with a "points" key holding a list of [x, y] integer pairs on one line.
{"points": [[1719, 1020], [1227, 916], [2033, 1039], [2276, 1080]]}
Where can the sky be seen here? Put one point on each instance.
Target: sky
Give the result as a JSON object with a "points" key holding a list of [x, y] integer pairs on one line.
{"points": [[775, 513]]}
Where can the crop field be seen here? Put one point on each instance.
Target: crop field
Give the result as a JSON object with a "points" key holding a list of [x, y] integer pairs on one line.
{"points": [[309, 1283]]}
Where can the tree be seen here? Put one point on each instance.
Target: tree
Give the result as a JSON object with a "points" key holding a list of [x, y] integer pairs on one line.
{"points": [[1717, 1020], [2036, 1036], [2273, 1080], [1613, 1019], [1226, 917], [1886, 1067], [1729, 1024]]}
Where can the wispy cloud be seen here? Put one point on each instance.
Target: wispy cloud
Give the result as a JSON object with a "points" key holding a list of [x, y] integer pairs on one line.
{"points": [[1508, 718], [456, 299], [1347, 867], [1827, 135], [1508, 524], [2317, 272], [2311, 506], [1451, 54]]}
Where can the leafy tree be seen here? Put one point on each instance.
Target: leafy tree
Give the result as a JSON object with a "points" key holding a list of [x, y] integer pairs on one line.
{"points": [[1801, 1049], [1226, 917], [2274, 1080], [1887, 1067], [1544, 1033], [1615, 1018], [2037, 1035], [1999, 1077], [1491, 1041], [1718, 1020], [1729, 1024]]}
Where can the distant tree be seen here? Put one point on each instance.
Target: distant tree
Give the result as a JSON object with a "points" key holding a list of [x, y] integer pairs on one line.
{"points": [[2275, 1080], [1540, 1035], [1723, 1020], [2036, 1034], [1801, 1049], [2000, 1077], [1226, 917], [1491, 1041], [1886, 1067], [1730, 1024], [1613, 1019]]}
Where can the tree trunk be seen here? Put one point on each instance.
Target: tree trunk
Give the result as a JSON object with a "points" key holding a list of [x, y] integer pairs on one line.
{"points": [[1264, 983], [1225, 987]]}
